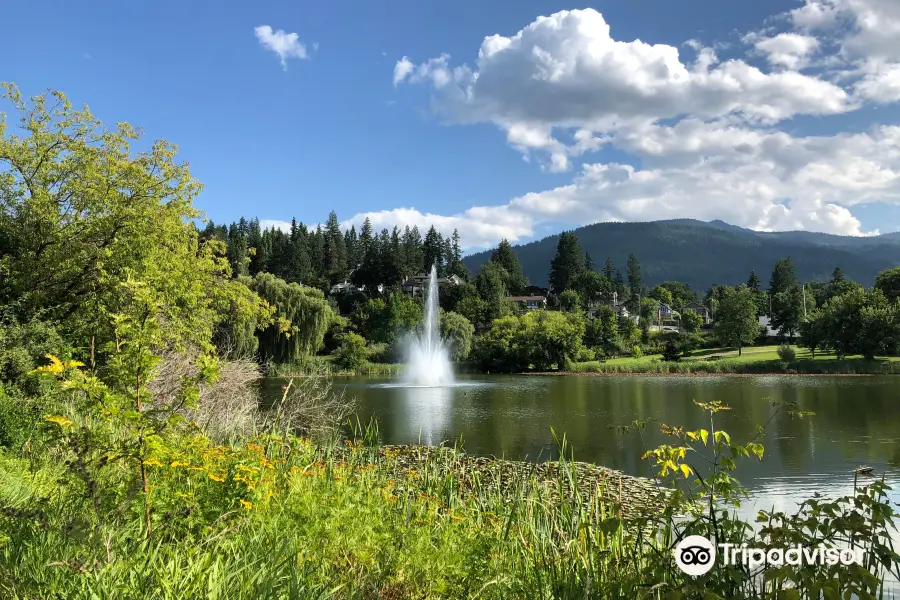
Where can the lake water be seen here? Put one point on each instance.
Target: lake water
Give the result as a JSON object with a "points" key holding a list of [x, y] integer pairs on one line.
{"points": [[856, 422]]}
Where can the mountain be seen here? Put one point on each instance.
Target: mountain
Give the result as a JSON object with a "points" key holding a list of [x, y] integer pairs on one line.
{"points": [[700, 253]]}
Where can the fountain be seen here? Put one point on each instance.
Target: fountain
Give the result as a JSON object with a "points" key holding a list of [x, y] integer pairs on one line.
{"points": [[428, 364]]}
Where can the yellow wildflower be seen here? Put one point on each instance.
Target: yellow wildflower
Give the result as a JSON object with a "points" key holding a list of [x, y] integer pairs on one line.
{"points": [[152, 463], [177, 463], [219, 478], [61, 421], [246, 504]]}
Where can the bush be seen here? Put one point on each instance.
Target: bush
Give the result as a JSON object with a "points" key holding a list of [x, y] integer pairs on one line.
{"points": [[786, 353], [636, 352], [671, 352], [586, 355], [351, 354]]}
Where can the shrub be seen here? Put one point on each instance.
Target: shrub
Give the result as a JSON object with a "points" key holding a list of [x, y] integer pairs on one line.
{"points": [[351, 353], [636, 352], [671, 352], [786, 353]]}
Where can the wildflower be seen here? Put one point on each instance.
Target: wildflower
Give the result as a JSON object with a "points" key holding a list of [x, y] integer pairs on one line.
{"points": [[254, 447], [247, 504], [152, 463], [219, 478], [177, 463], [61, 421]]}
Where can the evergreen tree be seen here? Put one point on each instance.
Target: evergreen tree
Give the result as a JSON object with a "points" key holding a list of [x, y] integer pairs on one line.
{"points": [[335, 250], [837, 276], [609, 270], [432, 251], [351, 240], [588, 261], [237, 250], [455, 265], [635, 283], [619, 286], [753, 281], [568, 263], [786, 298], [412, 251], [506, 257]]}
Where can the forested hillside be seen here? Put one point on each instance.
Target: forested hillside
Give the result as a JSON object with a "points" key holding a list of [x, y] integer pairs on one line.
{"points": [[701, 254]]}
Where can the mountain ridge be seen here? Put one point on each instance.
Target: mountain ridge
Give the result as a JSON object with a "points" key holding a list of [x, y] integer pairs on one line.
{"points": [[702, 253]]}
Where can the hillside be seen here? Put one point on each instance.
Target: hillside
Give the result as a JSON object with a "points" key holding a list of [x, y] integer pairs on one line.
{"points": [[700, 253]]}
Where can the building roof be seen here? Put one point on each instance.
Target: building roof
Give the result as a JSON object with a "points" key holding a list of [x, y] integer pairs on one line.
{"points": [[526, 298]]}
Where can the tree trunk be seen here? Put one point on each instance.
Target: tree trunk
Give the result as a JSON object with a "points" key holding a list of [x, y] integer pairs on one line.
{"points": [[740, 350]]}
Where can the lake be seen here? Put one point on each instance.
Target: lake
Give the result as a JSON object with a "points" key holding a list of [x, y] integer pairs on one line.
{"points": [[856, 422]]}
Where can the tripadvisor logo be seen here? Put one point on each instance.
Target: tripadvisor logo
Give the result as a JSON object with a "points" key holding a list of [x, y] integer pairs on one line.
{"points": [[695, 555]]}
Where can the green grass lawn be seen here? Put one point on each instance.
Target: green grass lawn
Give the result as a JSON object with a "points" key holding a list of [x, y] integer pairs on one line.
{"points": [[755, 359]]}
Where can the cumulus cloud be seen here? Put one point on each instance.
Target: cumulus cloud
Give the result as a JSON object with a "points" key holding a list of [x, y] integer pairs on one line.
{"points": [[285, 45], [284, 226], [788, 50], [479, 227], [567, 71], [704, 132]]}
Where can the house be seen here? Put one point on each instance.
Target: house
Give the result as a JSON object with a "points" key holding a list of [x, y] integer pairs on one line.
{"points": [[771, 332], [701, 310], [533, 290], [416, 283], [529, 302], [345, 287]]}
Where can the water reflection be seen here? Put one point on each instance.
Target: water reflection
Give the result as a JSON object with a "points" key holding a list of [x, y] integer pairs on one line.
{"points": [[856, 421], [426, 414]]}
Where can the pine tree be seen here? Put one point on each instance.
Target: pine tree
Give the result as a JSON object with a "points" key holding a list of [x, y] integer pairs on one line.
{"points": [[351, 240], [753, 281], [237, 250], [504, 256], [432, 252], [588, 261], [635, 283], [568, 263], [335, 268], [609, 270], [837, 276]]}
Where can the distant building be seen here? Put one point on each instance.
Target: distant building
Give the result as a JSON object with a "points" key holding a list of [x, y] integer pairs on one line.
{"points": [[701, 310], [417, 283], [771, 332], [529, 302]]}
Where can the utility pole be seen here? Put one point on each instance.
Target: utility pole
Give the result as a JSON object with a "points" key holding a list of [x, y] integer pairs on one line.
{"points": [[804, 301]]}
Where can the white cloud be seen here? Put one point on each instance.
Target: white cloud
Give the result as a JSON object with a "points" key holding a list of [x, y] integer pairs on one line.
{"points": [[788, 50], [285, 45], [402, 70], [704, 133], [479, 227], [566, 71], [284, 226]]}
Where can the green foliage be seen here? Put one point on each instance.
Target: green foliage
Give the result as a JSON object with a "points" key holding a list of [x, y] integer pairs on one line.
{"points": [[635, 284], [538, 339], [505, 257], [671, 351], [386, 320], [888, 281], [637, 352], [736, 321], [490, 284], [570, 301], [351, 354], [458, 332], [691, 321], [568, 264], [603, 330], [302, 316], [858, 322], [787, 353]]}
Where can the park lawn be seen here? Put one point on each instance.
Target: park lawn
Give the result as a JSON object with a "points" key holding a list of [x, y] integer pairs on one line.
{"points": [[754, 359]]}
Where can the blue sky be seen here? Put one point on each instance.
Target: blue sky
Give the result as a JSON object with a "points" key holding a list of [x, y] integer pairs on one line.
{"points": [[790, 132]]}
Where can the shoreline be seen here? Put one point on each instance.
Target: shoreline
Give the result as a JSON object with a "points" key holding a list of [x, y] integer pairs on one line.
{"points": [[696, 374]]}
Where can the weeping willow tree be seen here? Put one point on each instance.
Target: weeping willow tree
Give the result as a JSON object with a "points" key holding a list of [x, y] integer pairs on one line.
{"points": [[301, 319]]}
